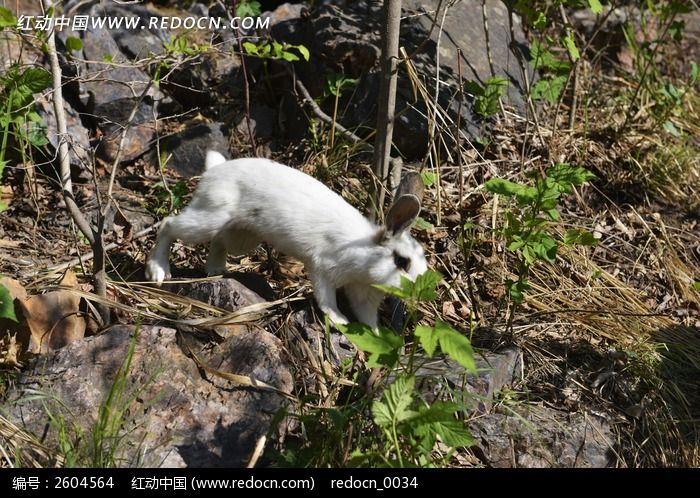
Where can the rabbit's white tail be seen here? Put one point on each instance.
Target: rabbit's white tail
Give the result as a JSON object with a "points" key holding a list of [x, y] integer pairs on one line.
{"points": [[213, 159]]}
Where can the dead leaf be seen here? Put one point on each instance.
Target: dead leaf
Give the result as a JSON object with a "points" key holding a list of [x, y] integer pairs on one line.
{"points": [[53, 318], [122, 226], [6, 195], [17, 291], [9, 327]]}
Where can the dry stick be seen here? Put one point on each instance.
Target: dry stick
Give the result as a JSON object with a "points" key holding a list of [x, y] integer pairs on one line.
{"points": [[487, 39], [246, 85], [311, 104], [457, 126], [572, 111], [64, 160], [94, 236], [485, 18], [645, 73], [387, 104], [573, 74], [433, 122], [530, 105]]}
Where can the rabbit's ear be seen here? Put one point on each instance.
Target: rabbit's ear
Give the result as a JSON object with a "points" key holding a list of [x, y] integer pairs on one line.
{"points": [[411, 183], [404, 211]]}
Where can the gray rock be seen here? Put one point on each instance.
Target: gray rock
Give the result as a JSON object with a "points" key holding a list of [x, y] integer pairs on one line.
{"points": [[226, 293], [114, 89], [535, 436], [262, 121], [495, 371], [189, 147], [175, 415], [345, 37], [79, 150]]}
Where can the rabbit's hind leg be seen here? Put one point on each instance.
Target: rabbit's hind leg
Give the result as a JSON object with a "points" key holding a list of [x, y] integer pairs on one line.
{"points": [[228, 241], [191, 226]]}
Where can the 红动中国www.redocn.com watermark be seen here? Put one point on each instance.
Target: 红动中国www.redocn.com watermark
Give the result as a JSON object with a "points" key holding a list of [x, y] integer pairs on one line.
{"points": [[84, 23]]}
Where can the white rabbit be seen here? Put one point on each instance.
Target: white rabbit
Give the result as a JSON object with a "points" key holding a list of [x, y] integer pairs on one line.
{"points": [[240, 203]]}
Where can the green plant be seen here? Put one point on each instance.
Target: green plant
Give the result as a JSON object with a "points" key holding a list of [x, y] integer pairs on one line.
{"points": [[554, 71], [335, 84], [248, 8], [407, 426], [107, 432], [273, 50], [165, 200], [648, 56], [526, 230], [18, 117], [487, 97]]}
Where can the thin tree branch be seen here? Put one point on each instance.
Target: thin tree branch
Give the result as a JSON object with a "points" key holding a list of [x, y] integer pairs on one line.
{"points": [[64, 159]]}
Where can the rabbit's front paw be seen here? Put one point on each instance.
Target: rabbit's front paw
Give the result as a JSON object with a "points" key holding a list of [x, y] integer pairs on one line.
{"points": [[156, 271], [336, 317]]}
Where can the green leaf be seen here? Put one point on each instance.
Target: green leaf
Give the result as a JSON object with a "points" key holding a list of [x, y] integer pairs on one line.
{"points": [[74, 44], [248, 8], [563, 176], [676, 29], [425, 287], [305, 54], [542, 58], [595, 6], [289, 56], [423, 224], [545, 248], [455, 345], [428, 178], [570, 45], [548, 89], [474, 88], [696, 286], [383, 346], [428, 338], [503, 187], [579, 237], [250, 48], [7, 18], [540, 22], [438, 420], [7, 307], [35, 79], [516, 289], [395, 403]]}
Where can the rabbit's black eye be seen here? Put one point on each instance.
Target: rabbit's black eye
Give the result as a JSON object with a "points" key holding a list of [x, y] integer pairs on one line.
{"points": [[401, 262]]}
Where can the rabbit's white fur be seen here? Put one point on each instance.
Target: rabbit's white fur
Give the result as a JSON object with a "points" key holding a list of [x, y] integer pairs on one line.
{"points": [[240, 203]]}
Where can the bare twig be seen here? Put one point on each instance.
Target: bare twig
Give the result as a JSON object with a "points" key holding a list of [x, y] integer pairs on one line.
{"points": [[246, 84], [64, 160], [318, 112], [457, 128]]}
